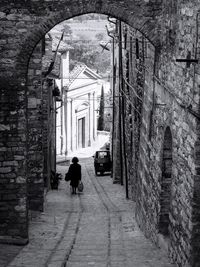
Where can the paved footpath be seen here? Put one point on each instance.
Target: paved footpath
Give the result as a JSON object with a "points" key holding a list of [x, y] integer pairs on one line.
{"points": [[94, 228]]}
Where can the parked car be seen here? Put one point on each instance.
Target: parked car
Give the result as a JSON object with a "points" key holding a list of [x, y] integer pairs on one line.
{"points": [[102, 161]]}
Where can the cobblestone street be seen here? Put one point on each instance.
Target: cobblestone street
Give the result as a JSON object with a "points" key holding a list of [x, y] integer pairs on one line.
{"points": [[87, 229]]}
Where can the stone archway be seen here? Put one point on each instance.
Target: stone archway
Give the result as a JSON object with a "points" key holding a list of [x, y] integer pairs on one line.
{"points": [[23, 26], [143, 17]]}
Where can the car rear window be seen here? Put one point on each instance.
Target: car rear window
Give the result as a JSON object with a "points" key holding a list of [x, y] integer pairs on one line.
{"points": [[102, 154]]}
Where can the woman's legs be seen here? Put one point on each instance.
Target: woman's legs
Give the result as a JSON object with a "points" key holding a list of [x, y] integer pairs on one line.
{"points": [[73, 190]]}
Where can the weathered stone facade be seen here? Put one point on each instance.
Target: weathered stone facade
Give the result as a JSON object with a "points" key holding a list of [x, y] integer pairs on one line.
{"points": [[164, 179], [27, 147], [41, 116], [170, 104], [35, 109]]}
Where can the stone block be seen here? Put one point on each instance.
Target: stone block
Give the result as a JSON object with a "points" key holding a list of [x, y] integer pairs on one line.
{"points": [[9, 197], [10, 175], [10, 163], [5, 169]]}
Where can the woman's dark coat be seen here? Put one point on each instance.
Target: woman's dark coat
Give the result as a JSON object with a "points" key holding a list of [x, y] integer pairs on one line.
{"points": [[75, 174]]}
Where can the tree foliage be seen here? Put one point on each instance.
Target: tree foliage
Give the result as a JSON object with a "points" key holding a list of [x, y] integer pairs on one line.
{"points": [[67, 29], [92, 16], [91, 54], [85, 44], [100, 126], [99, 36]]}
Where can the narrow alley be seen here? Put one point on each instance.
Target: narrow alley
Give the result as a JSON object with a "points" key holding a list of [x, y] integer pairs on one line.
{"points": [[93, 228], [70, 73]]}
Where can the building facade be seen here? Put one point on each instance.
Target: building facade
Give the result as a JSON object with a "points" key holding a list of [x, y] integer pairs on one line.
{"points": [[156, 131], [77, 117]]}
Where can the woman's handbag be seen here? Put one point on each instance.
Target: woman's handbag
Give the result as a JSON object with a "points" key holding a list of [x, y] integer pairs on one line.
{"points": [[67, 177], [80, 186]]}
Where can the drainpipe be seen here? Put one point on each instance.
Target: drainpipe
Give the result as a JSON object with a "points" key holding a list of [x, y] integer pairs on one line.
{"points": [[120, 99], [113, 87], [122, 114], [124, 143], [113, 95], [55, 150], [61, 112]]}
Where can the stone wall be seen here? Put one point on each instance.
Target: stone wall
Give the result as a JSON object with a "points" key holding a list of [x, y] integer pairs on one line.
{"points": [[13, 187], [35, 114], [13, 150], [41, 125], [170, 101], [48, 131]]}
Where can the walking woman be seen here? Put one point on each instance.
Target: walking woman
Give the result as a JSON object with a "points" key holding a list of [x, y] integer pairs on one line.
{"points": [[75, 174]]}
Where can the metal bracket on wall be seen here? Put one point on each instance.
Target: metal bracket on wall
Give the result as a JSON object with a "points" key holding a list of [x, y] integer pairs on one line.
{"points": [[196, 114], [60, 105], [191, 111], [160, 104], [188, 60]]}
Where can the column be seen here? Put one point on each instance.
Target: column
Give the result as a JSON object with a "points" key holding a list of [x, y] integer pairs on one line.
{"points": [[67, 116], [71, 128], [89, 119], [94, 117]]}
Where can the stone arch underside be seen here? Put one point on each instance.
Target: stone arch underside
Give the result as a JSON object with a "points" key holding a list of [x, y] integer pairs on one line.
{"points": [[42, 17], [23, 24]]}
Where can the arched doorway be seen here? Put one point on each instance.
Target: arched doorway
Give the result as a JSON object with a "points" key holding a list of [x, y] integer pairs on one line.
{"points": [[166, 182], [31, 22]]}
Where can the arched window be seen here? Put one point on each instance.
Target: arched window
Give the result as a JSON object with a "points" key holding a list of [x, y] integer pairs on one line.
{"points": [[166, 181]]}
